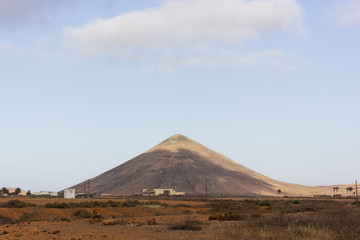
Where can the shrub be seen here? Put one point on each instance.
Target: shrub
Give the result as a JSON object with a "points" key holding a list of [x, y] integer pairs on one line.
{"points": [[187, 225], [26, 217], [93, 204], [16, 204], [228, 217], [115, 222], [29, 217], [154, 203], [229, 205], [214, 217], [152, 222], [96, 215], [82, 214], [265, 203], [6, 220], [129, 203]]}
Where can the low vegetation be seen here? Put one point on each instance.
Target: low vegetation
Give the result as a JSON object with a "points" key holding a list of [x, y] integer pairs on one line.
{"points": [[16, 204], [26, 217], [6, 220], [82, 214], [297, 219], [223, 219], [333, 223], [187, 225], [93, 204], [228, 217]]}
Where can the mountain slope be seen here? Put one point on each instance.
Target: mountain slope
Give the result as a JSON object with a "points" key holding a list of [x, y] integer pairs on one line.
{"points": [[183, 164]]}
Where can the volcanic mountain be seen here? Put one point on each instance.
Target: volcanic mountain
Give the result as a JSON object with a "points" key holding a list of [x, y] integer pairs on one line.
{"points": [[185, 165]]}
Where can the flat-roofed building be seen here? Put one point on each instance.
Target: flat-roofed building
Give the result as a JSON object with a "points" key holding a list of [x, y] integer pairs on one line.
{"points": [[46, 193], [69, 193], [161, 192]]}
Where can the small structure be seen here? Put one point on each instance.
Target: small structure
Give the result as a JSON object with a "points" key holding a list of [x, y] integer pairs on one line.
{"points": [[46, 193], [69, 193], [21, 193], [322, 196], [161, 192]]}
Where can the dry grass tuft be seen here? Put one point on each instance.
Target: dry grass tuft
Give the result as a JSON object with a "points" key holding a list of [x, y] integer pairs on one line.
{"points": [[187, 225], [330, 223]]}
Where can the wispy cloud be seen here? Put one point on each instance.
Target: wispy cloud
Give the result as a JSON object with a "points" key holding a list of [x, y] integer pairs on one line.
{"points": [[10, 50], [44, 41], [224, 59], [45, 48], [346, 13], [177, 29]]}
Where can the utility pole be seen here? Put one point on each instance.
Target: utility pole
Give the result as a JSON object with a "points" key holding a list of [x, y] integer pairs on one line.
{"points": [[259, 190], [356, 190], [88, 188], [206, 193], [83, 190]]}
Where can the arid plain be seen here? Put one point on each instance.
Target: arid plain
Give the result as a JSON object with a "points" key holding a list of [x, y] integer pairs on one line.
{"points": [[215, 218]]}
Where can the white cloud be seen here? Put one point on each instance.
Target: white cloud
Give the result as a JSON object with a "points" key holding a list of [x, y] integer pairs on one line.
{"points": [[182, 27], [347, 13]]}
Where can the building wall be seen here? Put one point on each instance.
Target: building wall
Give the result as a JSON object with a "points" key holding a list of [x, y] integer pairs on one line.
{"points": [[158, 191], [69, 193], [53, 194]]}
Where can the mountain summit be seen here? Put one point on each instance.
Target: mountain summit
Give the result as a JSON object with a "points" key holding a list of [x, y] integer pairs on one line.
{"points": [[185, 165]]}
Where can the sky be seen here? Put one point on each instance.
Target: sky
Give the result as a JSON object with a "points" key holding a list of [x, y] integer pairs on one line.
{"points": [[87, 85]]}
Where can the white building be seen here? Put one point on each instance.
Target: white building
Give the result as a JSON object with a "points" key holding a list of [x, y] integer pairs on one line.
{"points": [[22, 192], [46, 193], [69, 193], [158, 192]]}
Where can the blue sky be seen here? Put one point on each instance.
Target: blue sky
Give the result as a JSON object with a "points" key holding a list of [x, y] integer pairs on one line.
{"points": [[86, 86]]}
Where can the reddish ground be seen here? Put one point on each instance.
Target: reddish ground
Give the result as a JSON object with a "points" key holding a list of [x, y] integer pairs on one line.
{"points": [[140, 222]]}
